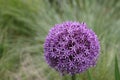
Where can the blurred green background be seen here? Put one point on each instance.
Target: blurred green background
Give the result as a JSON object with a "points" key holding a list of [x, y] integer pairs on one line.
{"points": [[24, 25]]}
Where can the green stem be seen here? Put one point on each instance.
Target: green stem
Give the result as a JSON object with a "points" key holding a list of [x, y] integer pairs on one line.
{"points": [[89, 76], [73, 77]]}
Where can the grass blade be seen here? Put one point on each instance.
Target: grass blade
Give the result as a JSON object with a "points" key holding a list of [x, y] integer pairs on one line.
{"points": [[117, 73]]}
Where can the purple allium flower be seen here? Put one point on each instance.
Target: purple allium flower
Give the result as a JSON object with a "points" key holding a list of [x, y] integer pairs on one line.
{"points": [[71, 47]]}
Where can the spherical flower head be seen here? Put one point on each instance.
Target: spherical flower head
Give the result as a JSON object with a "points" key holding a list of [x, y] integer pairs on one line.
{"points": [[71, 47]]}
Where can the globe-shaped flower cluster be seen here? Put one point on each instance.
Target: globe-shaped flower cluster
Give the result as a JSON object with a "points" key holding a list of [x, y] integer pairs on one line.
{"points": [[71, 47]]}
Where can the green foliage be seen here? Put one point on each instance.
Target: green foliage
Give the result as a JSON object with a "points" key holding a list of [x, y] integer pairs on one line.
{"points": [[1, 50], [18, 17], [117, 73]]}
